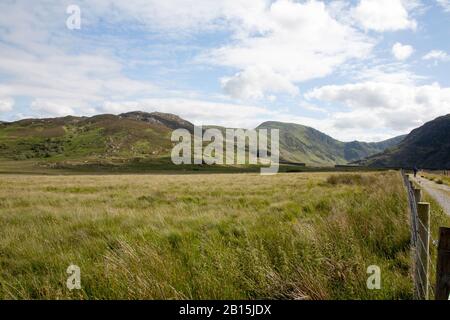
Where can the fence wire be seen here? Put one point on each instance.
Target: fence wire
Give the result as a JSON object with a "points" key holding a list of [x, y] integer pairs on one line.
{"points": [[420, 267], [413, 210]]}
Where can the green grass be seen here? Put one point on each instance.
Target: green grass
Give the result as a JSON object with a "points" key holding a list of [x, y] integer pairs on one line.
{"points": [[65, 139], [438, 218], [215, 236], [154, 165]]}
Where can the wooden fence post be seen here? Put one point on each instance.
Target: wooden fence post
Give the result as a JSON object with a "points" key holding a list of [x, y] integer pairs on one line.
{"points": [[443, 265], [418, 195], [423, 210]]}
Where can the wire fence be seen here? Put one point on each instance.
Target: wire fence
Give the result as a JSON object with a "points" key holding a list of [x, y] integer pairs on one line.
{"points": [[421, 240], [413, 209]]}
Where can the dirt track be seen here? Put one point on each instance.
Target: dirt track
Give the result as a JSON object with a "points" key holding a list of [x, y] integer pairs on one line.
{"points": [[440, 192]]}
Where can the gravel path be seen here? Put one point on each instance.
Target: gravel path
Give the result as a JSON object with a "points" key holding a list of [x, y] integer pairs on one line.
{"points": [[440, 192]]}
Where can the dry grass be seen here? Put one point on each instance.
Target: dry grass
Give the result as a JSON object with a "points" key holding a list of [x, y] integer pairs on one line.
{"points": [[437, 178], [351, 179], [239, 236]]}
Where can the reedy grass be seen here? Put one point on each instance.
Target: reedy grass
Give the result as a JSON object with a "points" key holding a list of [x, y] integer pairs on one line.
{"points": [[233, 236]]}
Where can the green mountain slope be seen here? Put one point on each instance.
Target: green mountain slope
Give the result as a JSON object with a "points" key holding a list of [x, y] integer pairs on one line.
{"points": [[425, 147], [158, 118], [147, 135], [304, 144], [103, 136]]}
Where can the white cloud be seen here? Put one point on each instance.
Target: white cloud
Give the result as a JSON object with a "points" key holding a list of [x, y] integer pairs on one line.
{"points": [[6, 104], [388, 73], [197, 111], [445, 4], [437, 55], [311, 107], [402, 52], [174, 16], [42, 60], [384, 15], [288, 43], [253, 82], [396, 106], [78, 81], [51, 108]]}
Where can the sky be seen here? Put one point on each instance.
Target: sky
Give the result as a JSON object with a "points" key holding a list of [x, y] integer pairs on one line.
{"points": [[357, 70]]}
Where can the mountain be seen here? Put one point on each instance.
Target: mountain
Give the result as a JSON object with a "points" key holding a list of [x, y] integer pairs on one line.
{"points": [[425, 147], [147, 135], [307, 145], [134, 134], [166, 119]]}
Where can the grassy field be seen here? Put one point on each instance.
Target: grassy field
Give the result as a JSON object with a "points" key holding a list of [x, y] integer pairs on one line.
{"points": [[436, 177], [161, 165], [234, 236]]}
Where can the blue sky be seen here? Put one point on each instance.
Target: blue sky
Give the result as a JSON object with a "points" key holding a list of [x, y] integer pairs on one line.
{"points": [[365, 69]]}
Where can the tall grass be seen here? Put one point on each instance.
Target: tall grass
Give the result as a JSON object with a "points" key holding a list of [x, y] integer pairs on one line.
{"points": [[290, 236]]}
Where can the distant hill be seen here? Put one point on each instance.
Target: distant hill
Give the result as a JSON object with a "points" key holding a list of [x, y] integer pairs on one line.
{"points": [[425, 147], [147, 135], [166, 119], [307, 145], [128, 135]]}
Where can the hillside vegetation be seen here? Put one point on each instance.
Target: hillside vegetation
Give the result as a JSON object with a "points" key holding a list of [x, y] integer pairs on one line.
{"points": [[425, 147], [293, 236], [104, 136], [138, 135], [304, 144]]}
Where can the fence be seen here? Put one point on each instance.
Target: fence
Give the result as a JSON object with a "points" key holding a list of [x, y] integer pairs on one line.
{"points": [[444, 172], [421, 239]]}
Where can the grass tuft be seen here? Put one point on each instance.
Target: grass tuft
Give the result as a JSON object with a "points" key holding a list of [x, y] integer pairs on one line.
{"points": [[350, 179]]}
